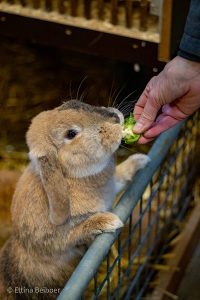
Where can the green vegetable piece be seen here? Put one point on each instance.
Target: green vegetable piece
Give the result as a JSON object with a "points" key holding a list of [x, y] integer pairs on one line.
{"points": [[128, 136]]}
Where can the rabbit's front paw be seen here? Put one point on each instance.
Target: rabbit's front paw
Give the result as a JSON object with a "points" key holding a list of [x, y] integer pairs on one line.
{"points": [[103, 222], [134, 163]]}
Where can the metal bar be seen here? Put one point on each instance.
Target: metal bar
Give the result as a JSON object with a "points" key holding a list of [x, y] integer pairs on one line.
{"points": [[101, 245], [130, 240], [108, 276], [119, 262], [95, 284]]}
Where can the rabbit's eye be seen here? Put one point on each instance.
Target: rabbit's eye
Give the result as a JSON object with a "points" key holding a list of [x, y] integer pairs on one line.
{"points": [[71, 133]]}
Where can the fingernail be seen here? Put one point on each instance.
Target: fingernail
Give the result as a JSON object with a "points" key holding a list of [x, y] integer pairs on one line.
{"points": [[138, 127]]}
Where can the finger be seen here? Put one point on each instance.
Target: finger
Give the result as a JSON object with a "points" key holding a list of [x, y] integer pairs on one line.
{"points": [[144, 140], [147, 107], [169, 117], [139, 106], [148, 115], [165, 122], [173, 110], [137, 112]]}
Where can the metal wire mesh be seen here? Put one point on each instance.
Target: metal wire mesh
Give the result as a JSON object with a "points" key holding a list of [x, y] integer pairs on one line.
{"points": [[131, 262]]}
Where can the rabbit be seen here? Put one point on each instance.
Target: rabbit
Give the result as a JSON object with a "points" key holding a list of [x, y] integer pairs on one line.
{"points": [[64, 197]]}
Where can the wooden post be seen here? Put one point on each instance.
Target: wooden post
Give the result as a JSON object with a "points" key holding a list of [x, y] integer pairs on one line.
{"points": [[114, 12], [23, 3], [101, 9], [74, 6], [87, 9], [48, 5], [144, 8], [61, 6], [129, 13], [35, 3], [165, 39]]}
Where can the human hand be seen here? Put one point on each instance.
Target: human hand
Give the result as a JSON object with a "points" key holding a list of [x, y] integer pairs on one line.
{"points": [[168, 98]]}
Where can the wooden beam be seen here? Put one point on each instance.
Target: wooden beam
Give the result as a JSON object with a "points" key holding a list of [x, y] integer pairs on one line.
{"points": [[165, 37], [83, 40], [129, 13], [114, 12], [144, 7], [101, 9]]}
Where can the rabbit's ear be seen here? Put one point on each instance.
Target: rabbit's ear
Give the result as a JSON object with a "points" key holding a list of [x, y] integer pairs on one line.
{"points": [[55, 188]]}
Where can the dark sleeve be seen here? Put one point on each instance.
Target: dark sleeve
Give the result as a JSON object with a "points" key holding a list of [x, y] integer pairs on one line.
{"points": [[190, 43]]}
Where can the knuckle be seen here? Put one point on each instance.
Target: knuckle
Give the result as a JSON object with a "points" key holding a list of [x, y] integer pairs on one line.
{"points": [[146, 116], [155, 99]]}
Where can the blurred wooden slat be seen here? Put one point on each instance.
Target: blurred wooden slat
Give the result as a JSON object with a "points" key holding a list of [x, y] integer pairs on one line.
{"points": [[48, 5], [10, 1], [74, 7], [101, 9], [129, 13], [114, 12], [36, 3], [23, 2], [87, 9], [61, 6], [144, 8], [165, 42]]}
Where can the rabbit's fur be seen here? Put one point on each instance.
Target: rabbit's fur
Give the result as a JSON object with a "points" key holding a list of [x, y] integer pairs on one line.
{"points": [[61, 200]]}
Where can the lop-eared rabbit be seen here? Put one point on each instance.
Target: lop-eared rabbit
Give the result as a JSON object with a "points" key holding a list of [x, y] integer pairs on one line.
{"points": [[63, 198]]}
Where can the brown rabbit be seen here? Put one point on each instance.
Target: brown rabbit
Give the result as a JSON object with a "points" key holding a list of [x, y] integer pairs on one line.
{"points": [[61, 200]]}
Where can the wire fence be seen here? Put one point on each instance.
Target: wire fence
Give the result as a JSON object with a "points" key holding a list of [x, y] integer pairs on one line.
{"points": [[122, 265]]}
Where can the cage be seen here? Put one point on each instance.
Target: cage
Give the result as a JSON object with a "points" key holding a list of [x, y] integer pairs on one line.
{"points": [[123, 265]]}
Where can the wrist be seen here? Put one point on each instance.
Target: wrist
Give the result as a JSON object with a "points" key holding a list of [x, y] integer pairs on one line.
{"points": [[182, 69], [188, 56]]}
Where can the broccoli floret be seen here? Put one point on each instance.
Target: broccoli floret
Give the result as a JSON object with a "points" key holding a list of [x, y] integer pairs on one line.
{"points": [[128, 136]]}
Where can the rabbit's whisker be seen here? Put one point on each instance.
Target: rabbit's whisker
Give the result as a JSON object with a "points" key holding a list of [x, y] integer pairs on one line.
{"points": [[120, 104], [113, 95], [80, 85], [110, 97], [83, 96], [117, 96], [126, 108]]}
